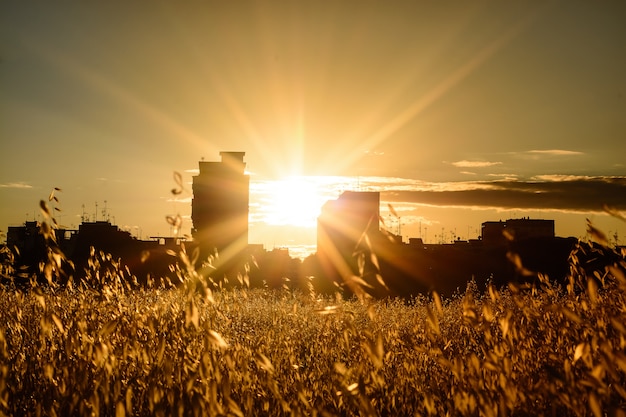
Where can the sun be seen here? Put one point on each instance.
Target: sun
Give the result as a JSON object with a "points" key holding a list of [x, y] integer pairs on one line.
{"points": [[293, 201]]}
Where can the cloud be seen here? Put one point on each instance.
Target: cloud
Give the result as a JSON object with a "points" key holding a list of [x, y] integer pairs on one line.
{"points": [[555, 152], [19, 185], [559, 177], [474, 164], [580, 194], [510, 177]]}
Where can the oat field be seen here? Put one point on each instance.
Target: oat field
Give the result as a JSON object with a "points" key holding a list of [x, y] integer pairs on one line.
{"points": [[99, 348]]}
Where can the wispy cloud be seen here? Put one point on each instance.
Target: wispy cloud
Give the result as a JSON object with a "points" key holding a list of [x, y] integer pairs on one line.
{"points": [[19, 185], [559, 177], [511, 177], [474, 164], [555, 152]]}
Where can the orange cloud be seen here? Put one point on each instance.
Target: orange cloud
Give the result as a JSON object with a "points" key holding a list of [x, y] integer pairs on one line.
{"points": [[474, 164]]}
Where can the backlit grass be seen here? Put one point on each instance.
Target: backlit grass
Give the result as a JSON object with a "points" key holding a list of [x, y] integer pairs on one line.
{"points": [[99, 347], [110, 351]]}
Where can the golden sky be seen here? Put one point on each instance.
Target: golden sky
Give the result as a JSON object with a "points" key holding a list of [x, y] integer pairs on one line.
{"points": [[107, 99]]}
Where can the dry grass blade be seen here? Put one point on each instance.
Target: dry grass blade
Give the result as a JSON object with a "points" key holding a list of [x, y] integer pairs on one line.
{"points": [[192, 315], [175, 221], [360, 258], [120, 410], [619, 274], [57, 322], [595, 406], [517, 261], [353, 281], [592, 290], [39, 296], [392, 210], [375, 350], [381, 281], [578, 352], [614, 212], [597, 235], [264, 363], [194, 256], [437, 301], [108, 328], [433, 321], [45, 210], [327, 310], [178, 179], [353, 387], [217, 340]]}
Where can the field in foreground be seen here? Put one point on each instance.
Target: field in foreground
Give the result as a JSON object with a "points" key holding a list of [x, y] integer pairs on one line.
{"points": [[541, 350]]}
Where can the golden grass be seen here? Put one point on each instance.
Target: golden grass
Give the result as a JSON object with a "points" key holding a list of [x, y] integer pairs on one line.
{"points": [[105, 350], [100, 348]]}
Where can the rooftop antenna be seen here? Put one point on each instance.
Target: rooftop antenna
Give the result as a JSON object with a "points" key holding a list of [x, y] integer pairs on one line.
{"points": [[96, 213], [83, 217], [104, 211]]}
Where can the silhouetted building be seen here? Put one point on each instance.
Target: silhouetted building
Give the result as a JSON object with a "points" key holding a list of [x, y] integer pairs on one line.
{"points": [[348, 228], [28, 243], [341, 230], [344, 221], [493, 233], [106, 237], [24, 238], [219, 210]]}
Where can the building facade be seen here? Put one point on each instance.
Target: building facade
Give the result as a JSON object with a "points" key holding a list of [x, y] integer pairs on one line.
{"points": [[341, 230], [495, 233], [220, 206]]}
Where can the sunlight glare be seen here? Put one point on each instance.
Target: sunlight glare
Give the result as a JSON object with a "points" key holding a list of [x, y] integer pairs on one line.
{"points": [[294, 201]]}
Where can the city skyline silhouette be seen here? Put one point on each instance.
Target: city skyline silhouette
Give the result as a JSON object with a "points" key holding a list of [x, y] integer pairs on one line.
{"points": [[353, 240]]}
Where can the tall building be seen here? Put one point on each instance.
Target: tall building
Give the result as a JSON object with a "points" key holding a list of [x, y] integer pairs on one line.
{"points": [[219, 209]]}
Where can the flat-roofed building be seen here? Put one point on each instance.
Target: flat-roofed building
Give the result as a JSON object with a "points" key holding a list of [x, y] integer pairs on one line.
{"points": [[493, 233], [220, 206], [341, 226]]}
